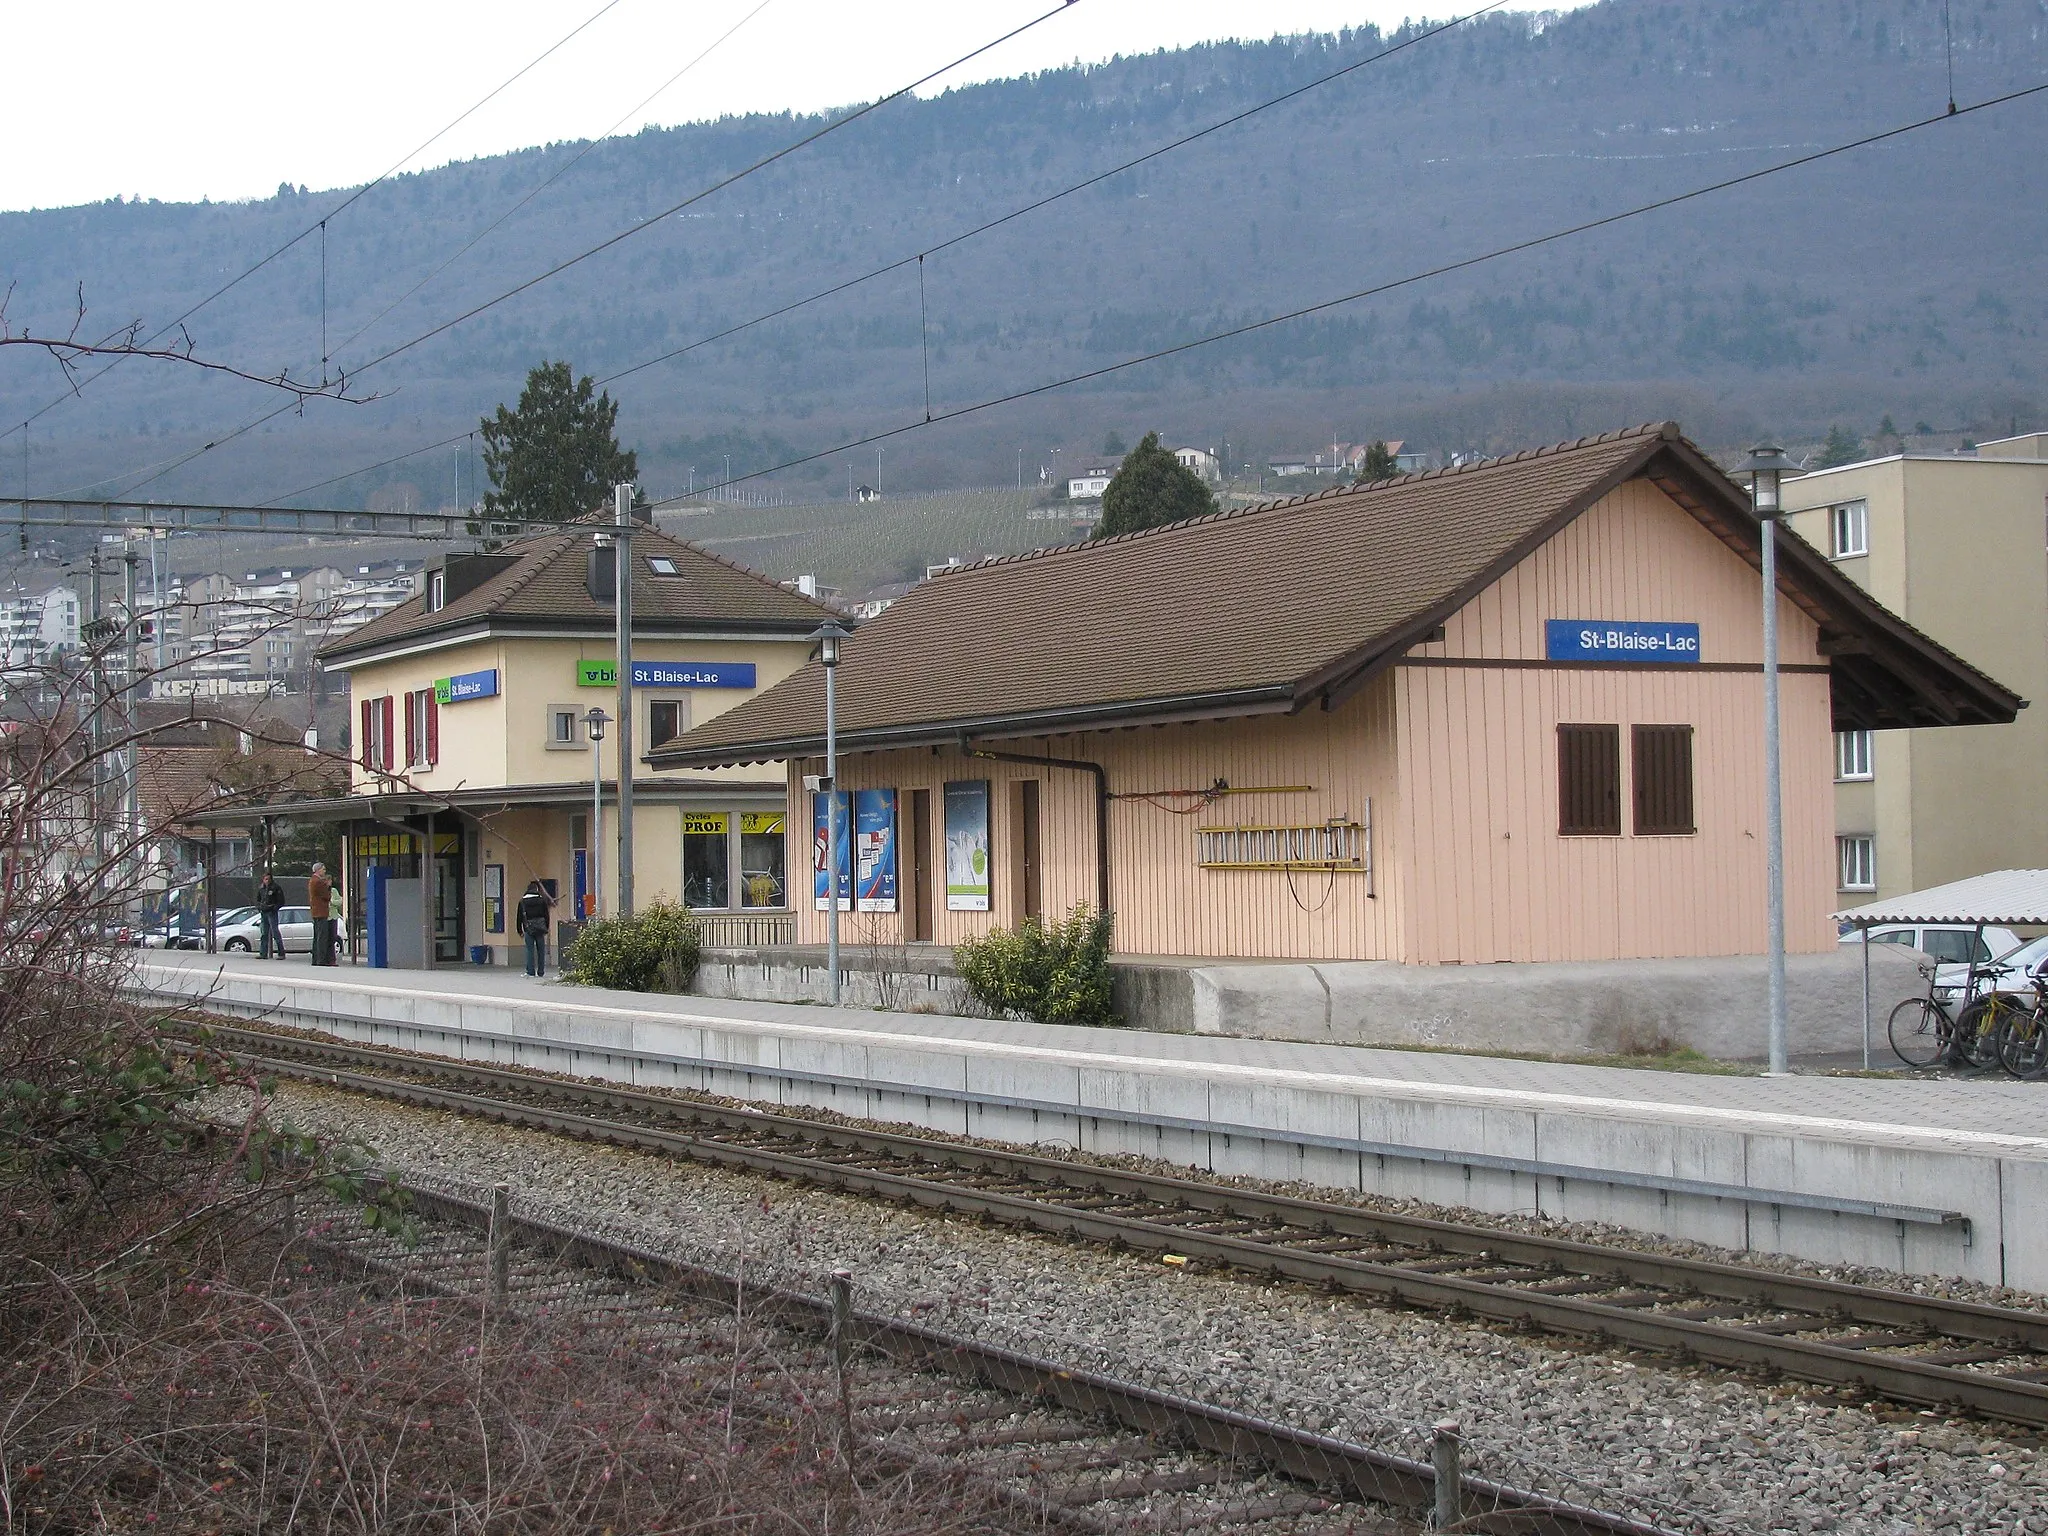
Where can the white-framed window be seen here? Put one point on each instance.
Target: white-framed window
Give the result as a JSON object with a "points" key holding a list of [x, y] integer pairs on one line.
{"points": [[666, 720], [436, 590], [1849, 529], [1857, 857], [661, 565], [1852, 755]]}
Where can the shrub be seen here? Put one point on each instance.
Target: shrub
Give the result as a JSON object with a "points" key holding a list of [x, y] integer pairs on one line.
{"points": [[1056, 974], [651, 951]]}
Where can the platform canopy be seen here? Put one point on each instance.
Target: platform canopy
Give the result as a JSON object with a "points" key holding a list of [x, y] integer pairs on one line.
{"points": [[2007, 897]]}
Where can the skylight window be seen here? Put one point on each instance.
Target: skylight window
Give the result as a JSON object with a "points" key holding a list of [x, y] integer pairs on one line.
{"points": [[661, 565]]}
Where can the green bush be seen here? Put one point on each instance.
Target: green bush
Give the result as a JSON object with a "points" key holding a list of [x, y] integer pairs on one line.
{"points": [[1056, 974], [651, 951]]}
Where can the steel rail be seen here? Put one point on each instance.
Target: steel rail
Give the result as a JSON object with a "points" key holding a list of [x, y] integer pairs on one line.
{"points": [[1358, 1471], [1059, 1205]]}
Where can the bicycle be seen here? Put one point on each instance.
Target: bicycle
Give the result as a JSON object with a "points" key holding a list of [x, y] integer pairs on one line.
{"points": [[2023, 1035], [1924, 1033], [1920, 1029]]}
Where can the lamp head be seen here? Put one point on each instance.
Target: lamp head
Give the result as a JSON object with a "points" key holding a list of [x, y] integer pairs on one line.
{"points": [[594, 721], [1766, 467], [828, 635]]}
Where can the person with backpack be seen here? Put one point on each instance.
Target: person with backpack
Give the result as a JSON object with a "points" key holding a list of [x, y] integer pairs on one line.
{"points": [[269, 903], [536, 908]]}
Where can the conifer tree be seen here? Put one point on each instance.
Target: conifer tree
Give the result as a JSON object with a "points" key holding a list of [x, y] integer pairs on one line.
{"points": [[557, 456], [1150, 489]]}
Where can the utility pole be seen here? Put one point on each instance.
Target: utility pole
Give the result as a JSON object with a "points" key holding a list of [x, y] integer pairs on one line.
{"points": [[96, 647], [131, 765], [622, 604]]}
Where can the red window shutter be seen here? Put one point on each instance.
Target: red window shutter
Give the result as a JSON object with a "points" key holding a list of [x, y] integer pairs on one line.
{"points": [[433, 703], [384, 745], [412, 740], [363, 742]]}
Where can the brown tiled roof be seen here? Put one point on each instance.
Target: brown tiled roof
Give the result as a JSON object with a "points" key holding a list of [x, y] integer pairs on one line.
{"points": [[1264, 608], [544, 581]]}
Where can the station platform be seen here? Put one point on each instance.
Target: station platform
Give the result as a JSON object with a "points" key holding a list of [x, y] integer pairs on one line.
{"points": [[1942, 1177]]}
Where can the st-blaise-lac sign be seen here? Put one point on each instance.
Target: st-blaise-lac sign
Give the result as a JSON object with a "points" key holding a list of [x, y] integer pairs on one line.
{"points": [[1620, 640], [668, 674]]}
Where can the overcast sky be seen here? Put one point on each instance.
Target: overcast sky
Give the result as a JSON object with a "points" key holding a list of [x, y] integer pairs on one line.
{"points": [[228, 98]]}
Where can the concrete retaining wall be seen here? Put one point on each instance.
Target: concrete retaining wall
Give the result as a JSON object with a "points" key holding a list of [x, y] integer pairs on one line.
{"points": [[1452, 1143], [1714, 1006]]}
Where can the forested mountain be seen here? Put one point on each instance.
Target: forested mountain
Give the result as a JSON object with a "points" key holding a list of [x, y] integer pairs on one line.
{"points": [[1900, 279]]}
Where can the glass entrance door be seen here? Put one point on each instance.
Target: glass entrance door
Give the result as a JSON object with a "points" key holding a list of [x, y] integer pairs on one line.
{"points": [[448, 902]]}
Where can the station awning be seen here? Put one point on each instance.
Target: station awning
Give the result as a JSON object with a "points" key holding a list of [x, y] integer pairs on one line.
{"points": [[2008, 897], [672, 789]]}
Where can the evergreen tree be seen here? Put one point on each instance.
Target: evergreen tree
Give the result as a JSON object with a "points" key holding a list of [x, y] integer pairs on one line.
{"points": [[1379, 464], [1152, 488], [557, 456], [1842, 447]]}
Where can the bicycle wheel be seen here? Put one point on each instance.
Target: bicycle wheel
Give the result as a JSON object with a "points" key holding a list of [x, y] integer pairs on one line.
{"points": [[1976, 1032], [1920, 1032], [2024, 1049]]}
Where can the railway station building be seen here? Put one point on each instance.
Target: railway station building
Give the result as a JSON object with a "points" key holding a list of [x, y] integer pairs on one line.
{"points": [[1510, 711], [469, 738]]}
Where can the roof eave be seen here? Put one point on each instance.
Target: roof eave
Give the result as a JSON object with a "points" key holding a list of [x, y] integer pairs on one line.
{"points": [[1277, 698]]}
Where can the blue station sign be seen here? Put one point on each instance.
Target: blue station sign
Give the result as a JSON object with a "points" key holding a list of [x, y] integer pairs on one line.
{"points": [[465, 686], [1620, 640], [668, 674]]}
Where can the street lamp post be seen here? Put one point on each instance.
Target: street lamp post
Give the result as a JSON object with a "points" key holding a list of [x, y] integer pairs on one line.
{"points": [[828, 635], [1766, 468], [595, 721]]}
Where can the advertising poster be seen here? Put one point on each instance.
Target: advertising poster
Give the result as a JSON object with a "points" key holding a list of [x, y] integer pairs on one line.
{"points": [[967, 855], [820, 888], [874, 845]]}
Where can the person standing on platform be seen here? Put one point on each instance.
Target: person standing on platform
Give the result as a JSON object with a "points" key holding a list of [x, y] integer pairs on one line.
{"points": [[320, 901], [269, 903], [535, 910]]}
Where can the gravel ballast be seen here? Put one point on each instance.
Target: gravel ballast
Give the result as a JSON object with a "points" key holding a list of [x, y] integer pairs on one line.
{"points": [[1634, 1433]]}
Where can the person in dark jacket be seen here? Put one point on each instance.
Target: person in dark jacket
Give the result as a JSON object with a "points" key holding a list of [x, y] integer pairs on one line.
{"points": [[535, 909], [269, 903]]}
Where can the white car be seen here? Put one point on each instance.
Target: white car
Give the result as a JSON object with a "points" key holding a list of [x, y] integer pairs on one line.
{"points": [[1946, 942], [245, 936], [2024, 959]]}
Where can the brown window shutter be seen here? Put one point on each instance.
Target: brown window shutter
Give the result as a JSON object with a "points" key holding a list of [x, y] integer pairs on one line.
{"points": [[412, 739], [1663, 780], [363, 742], [1589, 780], [384, 747], [433, 727]]}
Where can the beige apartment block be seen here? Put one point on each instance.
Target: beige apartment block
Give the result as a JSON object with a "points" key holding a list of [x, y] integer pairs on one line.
{"points": [[1957, 545]]}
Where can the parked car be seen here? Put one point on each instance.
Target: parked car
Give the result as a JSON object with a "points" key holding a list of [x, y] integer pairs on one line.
{"points": [[1950, 980], [170, 935], [1946, 942], [294, 925]]}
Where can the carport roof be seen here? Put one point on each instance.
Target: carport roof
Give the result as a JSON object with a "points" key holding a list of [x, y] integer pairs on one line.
{"points": [[2004, 896]]}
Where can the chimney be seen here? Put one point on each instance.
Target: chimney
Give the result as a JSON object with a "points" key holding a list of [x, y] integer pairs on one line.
{"points": [[603, 580]]}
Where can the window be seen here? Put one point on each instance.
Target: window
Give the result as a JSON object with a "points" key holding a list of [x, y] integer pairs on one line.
{"points": [[436, 587], [1589, 780], [422, 729], [706, 858], [762, 851], [377, 726], [1663, 780], [661, 565], [565, 728], [1849, 529], [1954, 945], [1852, 755], [666, 720], [1857, 857]]}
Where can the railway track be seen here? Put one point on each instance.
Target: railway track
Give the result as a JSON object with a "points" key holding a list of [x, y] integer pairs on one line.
{"points": [[1023, 1444], [1928, 1351]]}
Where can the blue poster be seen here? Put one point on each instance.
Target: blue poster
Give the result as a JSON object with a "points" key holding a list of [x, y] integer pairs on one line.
{"points": [[1620, 640], [874, 843], [843, 812]]}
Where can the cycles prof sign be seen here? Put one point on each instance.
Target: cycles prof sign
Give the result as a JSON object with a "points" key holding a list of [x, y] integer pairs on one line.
{"points": [[1620, 640], [668, 674]]}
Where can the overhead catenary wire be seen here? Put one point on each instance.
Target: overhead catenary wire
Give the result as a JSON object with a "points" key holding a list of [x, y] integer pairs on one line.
{"points": [[1441, 270], [347, 202], [642, 225], [1419, 36], [562, 266]]}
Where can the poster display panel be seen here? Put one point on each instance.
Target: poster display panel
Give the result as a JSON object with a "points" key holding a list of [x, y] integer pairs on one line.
{"points": [[842, 804], [874, 841], [968, 875]]}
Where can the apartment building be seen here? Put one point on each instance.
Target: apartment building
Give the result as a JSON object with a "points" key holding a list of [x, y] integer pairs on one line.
{"points": [[1957, 545]]}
